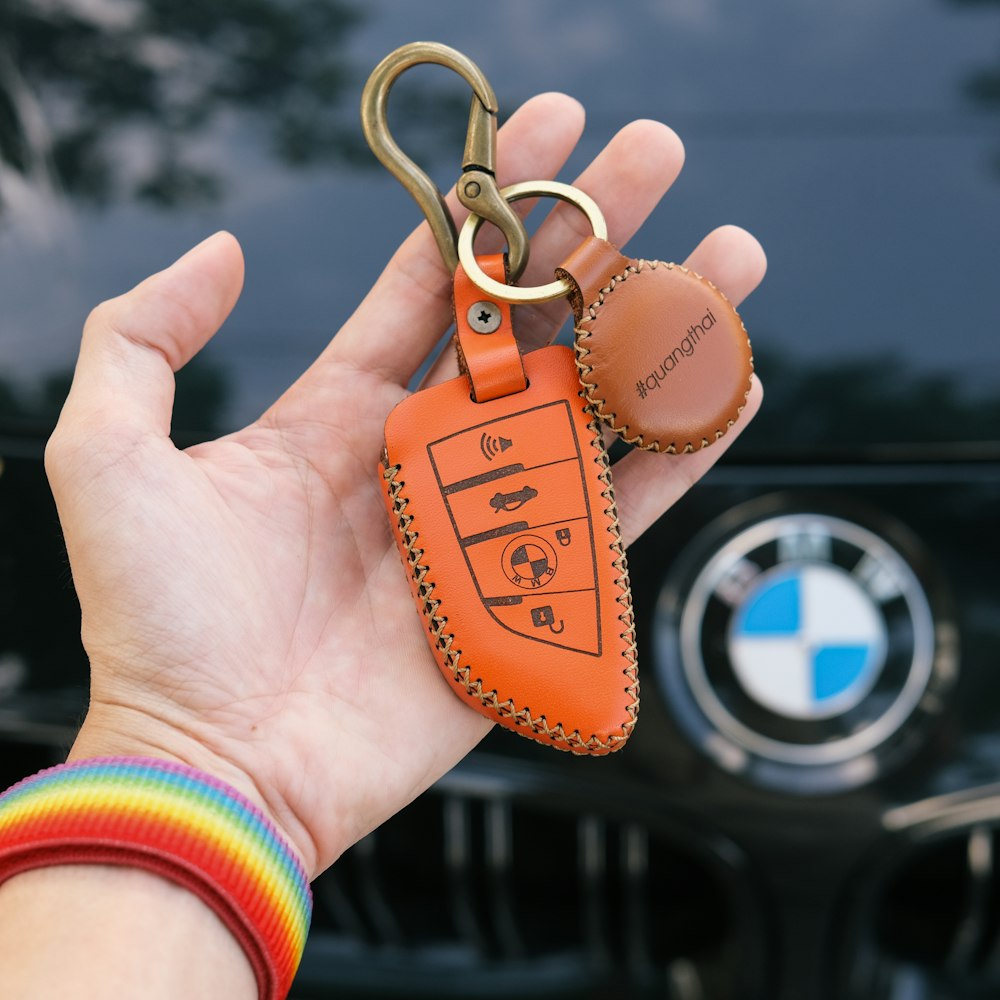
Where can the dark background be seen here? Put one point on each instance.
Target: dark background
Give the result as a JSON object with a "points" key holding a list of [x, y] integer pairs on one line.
{"points": [[861, 143]]}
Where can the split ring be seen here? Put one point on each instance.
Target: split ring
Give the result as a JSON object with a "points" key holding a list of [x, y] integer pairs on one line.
{"points": [[515, 192]]}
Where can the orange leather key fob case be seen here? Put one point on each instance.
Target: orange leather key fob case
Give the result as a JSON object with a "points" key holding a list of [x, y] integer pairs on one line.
{"points": [[499, 495]]}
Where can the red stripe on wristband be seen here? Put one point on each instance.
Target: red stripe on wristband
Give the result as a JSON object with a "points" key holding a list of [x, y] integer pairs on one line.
{"points": [[181, 824]]}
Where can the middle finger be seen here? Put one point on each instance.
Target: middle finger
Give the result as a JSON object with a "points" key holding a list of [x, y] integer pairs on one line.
{"points": [[627, 179]]}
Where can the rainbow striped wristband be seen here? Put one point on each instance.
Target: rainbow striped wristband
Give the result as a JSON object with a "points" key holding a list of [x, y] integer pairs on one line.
{"points": [[179, 823]]}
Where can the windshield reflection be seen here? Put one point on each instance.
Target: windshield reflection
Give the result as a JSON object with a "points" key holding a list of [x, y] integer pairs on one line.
{"points": [[858, 142], [111, 99]]}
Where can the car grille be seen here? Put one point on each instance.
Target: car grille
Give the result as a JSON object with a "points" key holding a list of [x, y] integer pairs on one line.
{"points": [[927, 927], [483, 887]]}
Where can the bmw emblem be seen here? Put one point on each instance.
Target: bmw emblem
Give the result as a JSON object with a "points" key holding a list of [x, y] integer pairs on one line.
{"points": [[798, 649]]}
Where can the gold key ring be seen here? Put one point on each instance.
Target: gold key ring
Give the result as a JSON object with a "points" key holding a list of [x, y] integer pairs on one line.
{"points": [[515, 192]]}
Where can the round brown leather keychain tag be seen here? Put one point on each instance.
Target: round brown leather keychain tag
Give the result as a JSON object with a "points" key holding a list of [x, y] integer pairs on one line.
{"points": [[663, 356]]}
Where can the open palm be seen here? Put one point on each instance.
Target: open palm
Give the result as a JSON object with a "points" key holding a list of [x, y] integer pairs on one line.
{"points": [[244, 607]]}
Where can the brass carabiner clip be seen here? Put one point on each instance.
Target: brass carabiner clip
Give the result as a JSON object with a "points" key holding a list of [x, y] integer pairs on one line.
{"points": [[477, 187]]}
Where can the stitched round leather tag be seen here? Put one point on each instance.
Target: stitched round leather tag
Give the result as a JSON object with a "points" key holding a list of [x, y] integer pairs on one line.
{"points": [[663, 356]]}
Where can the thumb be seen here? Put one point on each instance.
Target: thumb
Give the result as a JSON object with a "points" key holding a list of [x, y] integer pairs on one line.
{"points": [[133, 344]]}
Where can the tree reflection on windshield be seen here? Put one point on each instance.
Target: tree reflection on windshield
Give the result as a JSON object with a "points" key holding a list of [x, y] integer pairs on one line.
{"points": [[106, 99], [982, 86], [837, 404]]}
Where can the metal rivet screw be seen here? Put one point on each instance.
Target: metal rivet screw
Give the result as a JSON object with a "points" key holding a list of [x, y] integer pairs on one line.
{"points": [[472, 189], [484, 317]]}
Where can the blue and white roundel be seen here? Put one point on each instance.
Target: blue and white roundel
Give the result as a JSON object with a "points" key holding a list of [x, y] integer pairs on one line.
{"points": [[807, 641]]}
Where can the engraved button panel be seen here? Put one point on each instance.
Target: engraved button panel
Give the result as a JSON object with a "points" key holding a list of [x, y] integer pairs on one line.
{"points": [[515, 492]]}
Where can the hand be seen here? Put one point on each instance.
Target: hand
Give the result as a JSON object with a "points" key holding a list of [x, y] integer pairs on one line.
{"points": [[243, 604]]}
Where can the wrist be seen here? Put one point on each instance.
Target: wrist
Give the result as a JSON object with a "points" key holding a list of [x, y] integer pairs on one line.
{"points": [[119, 731], [102, 931], [182, 825]]}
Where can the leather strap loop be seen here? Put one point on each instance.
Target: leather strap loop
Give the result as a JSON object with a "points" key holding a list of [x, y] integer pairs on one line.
{"points": [[590, 267], [489, 356]]}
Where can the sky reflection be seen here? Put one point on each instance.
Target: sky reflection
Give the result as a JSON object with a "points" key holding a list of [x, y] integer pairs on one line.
{"points": [[844, 137]]}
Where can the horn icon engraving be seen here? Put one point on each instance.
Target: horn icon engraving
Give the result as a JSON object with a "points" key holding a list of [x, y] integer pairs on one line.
{"points": [[491, 446]]}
